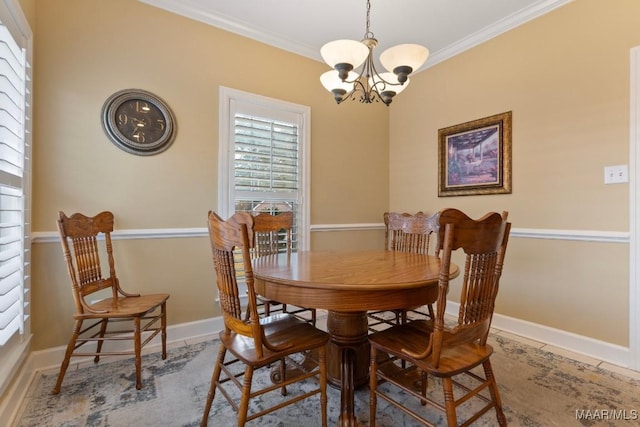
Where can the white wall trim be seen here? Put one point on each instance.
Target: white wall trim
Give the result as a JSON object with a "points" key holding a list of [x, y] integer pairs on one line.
{"points": [[131, 234], [233, 25], [14, 381], [601, 350], [581, 235], [634, 197], [347, 227], [506, 24], [527, 233]]}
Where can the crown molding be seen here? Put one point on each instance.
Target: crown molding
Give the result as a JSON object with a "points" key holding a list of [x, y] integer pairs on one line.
{"points": [[231, 24], [502, 26], [187, 9]]}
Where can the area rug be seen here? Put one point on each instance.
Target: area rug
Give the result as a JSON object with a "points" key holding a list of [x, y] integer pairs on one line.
{"points": [[538, 389]]}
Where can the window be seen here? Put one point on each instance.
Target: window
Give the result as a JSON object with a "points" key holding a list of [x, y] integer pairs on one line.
{"points": [[263, 158], [15, 182]]}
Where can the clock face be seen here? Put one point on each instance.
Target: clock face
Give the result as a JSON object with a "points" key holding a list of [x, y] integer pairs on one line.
{"points": [[138, 122]]}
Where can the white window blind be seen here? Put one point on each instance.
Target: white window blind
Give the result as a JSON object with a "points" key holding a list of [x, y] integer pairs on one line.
{"points": [[266, 166], [266, 155], [14, 178]]}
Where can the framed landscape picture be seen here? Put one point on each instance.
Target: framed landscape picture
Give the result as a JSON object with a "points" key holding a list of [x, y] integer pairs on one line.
{"points": [[475, 157]]}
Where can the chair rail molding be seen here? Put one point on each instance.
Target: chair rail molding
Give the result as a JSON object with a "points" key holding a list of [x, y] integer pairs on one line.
{"points": [[525, 233]]}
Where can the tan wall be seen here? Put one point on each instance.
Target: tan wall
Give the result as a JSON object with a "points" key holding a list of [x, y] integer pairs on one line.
{"points": [[88, 49], [352, 239], [28, 8], [565, 77]]}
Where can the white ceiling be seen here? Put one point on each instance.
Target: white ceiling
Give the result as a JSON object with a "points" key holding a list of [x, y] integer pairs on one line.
{"points": [[446, 27]]}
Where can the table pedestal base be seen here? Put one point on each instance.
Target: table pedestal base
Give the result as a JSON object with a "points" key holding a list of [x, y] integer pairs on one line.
{"points": [[347, 358]]}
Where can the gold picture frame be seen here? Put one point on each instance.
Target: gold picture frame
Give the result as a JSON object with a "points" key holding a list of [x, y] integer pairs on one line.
{"points": [[474, 158]]}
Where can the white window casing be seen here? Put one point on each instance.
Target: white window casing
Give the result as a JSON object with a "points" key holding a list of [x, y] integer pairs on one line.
{"points": [[263, 162], [16, 47]]}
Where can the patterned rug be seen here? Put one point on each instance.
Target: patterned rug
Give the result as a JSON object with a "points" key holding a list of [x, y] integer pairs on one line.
{"points": [[538, 389]]}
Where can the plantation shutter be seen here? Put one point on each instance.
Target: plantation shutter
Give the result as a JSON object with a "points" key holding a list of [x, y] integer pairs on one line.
{"points": [[266, 156], [14, 250], [266, 172]]}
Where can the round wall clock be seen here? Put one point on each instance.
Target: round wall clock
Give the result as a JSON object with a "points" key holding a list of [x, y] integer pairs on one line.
{"points": [[138, 122]]}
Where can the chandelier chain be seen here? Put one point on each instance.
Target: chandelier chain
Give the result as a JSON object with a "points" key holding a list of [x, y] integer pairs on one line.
{"points": [[368, 34]]}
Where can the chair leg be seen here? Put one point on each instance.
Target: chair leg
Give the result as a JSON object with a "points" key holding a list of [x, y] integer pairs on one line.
{"points": [[431, 312], [138, 351], [163, 323], [267, 308], [495, 394], [243, 408], [215, 377], [322, 361], [283, 375], [449, 403], [313, 316], [103, 330], [67, 356], [423, 386], [247, 314], [373, 383]]}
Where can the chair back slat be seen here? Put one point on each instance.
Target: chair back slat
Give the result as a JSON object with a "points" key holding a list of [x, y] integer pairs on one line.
{"points": [[409, 233], [484, 243], [80, 236], [226, 279], [88, 259], [235, 235], [273, 233]]}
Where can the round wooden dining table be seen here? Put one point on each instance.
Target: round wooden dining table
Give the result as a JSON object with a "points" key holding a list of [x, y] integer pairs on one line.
{"points": [[348, 284]]}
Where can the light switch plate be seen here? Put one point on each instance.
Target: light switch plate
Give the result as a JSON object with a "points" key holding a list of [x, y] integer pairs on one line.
{"points": [[616, 174]]}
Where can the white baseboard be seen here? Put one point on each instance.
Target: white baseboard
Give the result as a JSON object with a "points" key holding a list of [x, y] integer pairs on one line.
{"points": [[604, 351], [185, 333]]}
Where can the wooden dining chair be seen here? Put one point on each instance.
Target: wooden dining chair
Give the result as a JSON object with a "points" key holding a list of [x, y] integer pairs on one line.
{"points": [[101, 301], [448, 351], [405, 232], [272, 235], [259, 341]]}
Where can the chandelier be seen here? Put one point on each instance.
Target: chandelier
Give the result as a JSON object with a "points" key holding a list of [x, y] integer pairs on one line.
{"points": [[368, 85]]}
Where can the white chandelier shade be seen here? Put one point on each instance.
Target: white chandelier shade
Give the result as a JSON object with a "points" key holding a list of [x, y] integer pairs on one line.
{"points": [[411, 56], [344, 53], [333, 83]]}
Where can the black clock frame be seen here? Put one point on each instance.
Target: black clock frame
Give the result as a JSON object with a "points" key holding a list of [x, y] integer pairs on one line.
{"points": [[110, 123]]}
